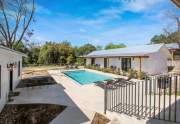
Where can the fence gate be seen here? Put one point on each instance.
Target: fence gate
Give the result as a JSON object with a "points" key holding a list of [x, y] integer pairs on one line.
{"points": [[154, 98]]}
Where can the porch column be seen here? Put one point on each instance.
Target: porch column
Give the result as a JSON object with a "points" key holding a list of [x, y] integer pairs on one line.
{"points": [[172, 54], [108, 62], [140, 68]]}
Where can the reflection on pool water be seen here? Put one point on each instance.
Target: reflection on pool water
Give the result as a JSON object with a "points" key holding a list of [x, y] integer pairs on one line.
{"points": [[86, 77]]}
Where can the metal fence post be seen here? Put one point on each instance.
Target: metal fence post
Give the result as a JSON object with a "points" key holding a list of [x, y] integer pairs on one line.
{"points": [[105, 98]]}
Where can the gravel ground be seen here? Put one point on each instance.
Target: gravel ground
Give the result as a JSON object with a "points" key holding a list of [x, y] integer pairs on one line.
{"points": [[29, 113], [100, 119]]}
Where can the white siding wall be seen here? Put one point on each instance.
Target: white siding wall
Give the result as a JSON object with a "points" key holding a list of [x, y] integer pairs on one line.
{"points": [[4, 60], [100, 61], [88, 61], [115, 62], [135, 64], [156, 63]]}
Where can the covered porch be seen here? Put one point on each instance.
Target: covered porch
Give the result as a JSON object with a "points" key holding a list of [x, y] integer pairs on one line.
{"points": [[121, 63]]}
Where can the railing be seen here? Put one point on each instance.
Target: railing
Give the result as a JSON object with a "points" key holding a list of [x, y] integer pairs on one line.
{"points": [[154, 98], [175, 63]]}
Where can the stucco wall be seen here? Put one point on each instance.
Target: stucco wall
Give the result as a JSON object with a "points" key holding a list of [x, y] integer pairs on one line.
{"points": [[4, 60]]}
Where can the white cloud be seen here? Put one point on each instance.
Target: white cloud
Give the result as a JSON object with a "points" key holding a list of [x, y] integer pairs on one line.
{"points": [[101, 17], [113, 12], [140, 5], [136, 5], [42, 10], [82, 30], [108, 14], [129, 34], [98, 28], [90, 22]]}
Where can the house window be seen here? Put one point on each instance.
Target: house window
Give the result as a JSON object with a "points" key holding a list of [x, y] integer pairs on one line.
{"points": [[19, 68], [126, 64]]}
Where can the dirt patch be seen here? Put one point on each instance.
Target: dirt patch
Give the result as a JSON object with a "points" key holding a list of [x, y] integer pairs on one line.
{"points": [[34, 73], [100, 119], [29, 113], [36, 81], [38, 70]]}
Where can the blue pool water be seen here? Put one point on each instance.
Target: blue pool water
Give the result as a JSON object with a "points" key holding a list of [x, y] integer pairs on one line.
{"points": [[86, 77]]}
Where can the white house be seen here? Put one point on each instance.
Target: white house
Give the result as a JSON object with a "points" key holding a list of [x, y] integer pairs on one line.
{"points": [[151, 59], [10, 72], [174, 49]]}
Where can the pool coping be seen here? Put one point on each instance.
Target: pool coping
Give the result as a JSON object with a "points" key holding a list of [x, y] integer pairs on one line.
{"points": [[70, 78], [95, 71]]}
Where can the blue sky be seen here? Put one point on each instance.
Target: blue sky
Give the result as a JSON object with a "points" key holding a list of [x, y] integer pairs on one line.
{"points": [[99, 22]]}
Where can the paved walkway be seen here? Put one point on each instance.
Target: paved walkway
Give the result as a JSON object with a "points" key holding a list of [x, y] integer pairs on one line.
{"points": [[55, 94]]}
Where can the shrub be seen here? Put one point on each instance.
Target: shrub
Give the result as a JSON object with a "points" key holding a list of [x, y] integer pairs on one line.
{"points": [[98, 68], [124, 73], [108, 70], [88, 66], [143, 75], [76, 66], [132, 73]]}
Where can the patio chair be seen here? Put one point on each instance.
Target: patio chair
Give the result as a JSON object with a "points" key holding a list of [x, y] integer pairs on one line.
{"points": [[67, 67], [112, 84], [120, 82], [76, 66], [71, 66]]}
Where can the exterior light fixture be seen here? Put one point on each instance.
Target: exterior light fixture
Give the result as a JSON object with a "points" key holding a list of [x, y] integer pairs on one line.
{"points": [[11, 66]]}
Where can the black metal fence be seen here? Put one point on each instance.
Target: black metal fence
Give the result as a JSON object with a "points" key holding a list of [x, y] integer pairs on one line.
{"points": [[154, 98]]}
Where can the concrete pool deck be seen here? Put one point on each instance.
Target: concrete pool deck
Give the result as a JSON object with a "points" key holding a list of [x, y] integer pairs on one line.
{"points": [[87, 96], [55, 94], [82, 101]]}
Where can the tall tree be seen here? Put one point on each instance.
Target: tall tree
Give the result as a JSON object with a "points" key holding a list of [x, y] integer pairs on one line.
{"points": [[159, 39], [33, 55], [170, 36], [114, 46], [98, 47], [15, 18], [85, 49], [49, 53], [173, 36]]}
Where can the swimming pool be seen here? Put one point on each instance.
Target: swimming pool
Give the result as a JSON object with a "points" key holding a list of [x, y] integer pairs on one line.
{"points": [[86, 77]]}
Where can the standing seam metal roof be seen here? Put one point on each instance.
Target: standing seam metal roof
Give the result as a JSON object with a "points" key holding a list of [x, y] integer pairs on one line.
{"points": [[139, 50]]}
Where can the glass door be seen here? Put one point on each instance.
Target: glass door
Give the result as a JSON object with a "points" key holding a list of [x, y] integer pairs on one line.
{"points": [[105, 62], [126, 64]]}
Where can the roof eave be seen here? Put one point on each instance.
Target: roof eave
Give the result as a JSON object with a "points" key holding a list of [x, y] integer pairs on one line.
{"points": [[176, 2], [145, 56], [13, 51]]}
